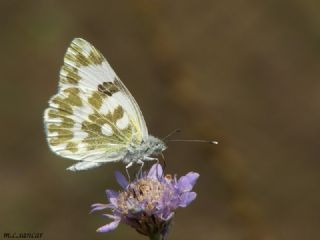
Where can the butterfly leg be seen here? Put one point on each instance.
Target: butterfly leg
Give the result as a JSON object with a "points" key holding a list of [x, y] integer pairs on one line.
{"points": [[127, 171], [164, 161], [146, 158], [141, 166], [151, 159]]}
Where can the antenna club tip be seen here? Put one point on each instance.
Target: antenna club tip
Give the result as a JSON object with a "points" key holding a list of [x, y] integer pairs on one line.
{"points": [[178, 130], [213, 142]]}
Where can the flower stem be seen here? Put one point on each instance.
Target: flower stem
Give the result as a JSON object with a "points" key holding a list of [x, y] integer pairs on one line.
{"points": [[156, 236]]}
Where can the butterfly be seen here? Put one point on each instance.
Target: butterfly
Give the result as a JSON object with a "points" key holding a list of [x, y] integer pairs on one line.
{"points": [[93, 119]]}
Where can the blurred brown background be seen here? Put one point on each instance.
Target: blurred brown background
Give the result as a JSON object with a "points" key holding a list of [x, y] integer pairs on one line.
{"points": [[245, 73]]}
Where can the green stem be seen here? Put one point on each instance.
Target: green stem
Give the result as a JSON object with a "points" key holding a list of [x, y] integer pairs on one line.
{"points": [[156, 236]]}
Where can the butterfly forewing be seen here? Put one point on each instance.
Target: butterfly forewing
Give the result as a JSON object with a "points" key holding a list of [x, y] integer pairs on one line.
{"points": [[93, 117]]}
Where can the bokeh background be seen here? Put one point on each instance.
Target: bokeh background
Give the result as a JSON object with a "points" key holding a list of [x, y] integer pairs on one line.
{"points": [[245, 73]]}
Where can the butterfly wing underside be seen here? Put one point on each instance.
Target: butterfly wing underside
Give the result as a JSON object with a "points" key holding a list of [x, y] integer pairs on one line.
{"points": [[93, 118]]}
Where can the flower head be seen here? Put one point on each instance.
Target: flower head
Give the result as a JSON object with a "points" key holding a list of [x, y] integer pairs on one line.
{"points": [[149, 202]]}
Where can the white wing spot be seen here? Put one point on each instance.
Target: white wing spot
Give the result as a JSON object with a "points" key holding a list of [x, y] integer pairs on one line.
{"points": [[83, 112], [78, 134], [52, 134], [106, 129], [123, 122], [92, 75], [108, 105]]}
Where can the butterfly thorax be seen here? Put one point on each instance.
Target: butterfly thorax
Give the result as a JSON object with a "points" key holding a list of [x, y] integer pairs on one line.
{"points": [[151, 147]]}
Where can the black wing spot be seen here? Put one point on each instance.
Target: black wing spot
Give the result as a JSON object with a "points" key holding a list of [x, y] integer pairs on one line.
{"points": [[108, 88]]}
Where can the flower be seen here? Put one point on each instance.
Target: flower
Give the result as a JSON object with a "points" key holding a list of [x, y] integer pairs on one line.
{"points": [[149, 202]]}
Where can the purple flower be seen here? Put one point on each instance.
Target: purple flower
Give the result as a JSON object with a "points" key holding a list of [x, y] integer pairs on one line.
{"points": [[149, 202]]}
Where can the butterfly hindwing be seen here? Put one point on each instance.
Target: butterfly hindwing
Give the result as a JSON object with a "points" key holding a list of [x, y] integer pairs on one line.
{"points": [[93, 118]]}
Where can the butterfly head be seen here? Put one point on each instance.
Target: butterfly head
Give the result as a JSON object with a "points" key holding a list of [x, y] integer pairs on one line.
{"points": [[156, 145]]}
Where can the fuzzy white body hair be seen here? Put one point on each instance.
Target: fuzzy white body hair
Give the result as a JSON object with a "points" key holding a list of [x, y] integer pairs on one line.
{"points": [[143, 152]]}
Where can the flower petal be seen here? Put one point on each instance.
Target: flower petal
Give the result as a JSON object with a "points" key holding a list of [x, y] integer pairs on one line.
{"points": [[121, 180], [155, 171], [186, 198], [111, 216], [111, 193], [187, 182], [112, 196], [193, 177], [100, 206], [168, 216], [109, 227]]}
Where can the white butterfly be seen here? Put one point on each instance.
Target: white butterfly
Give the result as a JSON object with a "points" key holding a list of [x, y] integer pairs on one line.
{"points": [[93, 118]]}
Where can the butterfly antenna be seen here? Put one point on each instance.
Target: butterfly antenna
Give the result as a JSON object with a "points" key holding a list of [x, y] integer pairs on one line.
{"points": [[178, 130], [200, 141]]}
